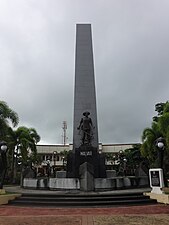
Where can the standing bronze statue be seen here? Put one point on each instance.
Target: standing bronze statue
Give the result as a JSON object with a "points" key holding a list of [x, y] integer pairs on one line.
{"points": [[86, 126]]}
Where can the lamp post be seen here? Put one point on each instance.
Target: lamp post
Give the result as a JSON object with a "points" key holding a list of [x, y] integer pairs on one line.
{"points": [[54, 159], [160, 143], [48, 168], [15, 163], [114, 159], [17, 160], [3, 166], [125, 165], [63, 158]]}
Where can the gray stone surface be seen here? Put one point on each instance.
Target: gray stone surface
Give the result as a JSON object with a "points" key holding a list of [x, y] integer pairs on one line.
{"points": [[84, 92], [140, 172], [105, 184], [61, 174], [127, 182], [86, 172], [18, 189], [64, 183], [143, 181], [30, 183], [42, 183], [111, 173], [119, 182]]}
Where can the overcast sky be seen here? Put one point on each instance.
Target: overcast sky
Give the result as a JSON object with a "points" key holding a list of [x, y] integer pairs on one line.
{"points": [[131, 55]]}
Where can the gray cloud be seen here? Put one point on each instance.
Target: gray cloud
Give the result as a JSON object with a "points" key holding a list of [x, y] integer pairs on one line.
{"points": [[131, 52]]}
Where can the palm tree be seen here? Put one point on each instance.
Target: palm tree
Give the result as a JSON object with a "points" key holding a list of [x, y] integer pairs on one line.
{"points": [[163, 124], [133, 157], [26, 140], [22, 143], [7, 115], [159, 128], [148, 148]]}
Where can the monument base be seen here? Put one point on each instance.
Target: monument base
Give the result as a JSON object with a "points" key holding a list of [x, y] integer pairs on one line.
{"points": [[86, 182], [89, 154], [86, 173]]}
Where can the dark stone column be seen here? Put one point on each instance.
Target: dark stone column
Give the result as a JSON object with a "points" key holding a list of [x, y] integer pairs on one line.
{"points": [[84, 89], [85, 129]]}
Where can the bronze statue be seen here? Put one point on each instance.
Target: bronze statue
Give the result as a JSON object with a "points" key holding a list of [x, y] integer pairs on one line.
{"points": [[86, 127]]}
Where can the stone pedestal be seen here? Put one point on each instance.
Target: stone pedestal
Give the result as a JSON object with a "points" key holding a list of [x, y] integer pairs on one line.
{"points": [[30, 183], [64, 184], [86, 173], [61, 174], [111, 173], [127, 182], [87, 154], [42, 183], [105, 184]]}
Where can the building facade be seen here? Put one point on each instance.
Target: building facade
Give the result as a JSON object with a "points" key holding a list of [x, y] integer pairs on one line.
{"points": [[54, 156]]}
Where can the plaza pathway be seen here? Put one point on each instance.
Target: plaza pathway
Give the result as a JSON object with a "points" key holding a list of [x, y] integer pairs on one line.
{"points": [[143, 215], [157, 214]]}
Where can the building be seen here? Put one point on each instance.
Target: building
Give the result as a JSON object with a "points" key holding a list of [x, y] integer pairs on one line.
{"points": [[54, 156]]}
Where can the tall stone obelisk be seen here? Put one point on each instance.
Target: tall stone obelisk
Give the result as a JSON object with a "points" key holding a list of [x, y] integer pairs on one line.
{"points": [[84, 90], [84, 161]]}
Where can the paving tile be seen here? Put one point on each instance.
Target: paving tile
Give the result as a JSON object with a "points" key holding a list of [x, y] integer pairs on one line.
{"points": [[41, 220], [146, 209], [87, 220], [12, 215]]}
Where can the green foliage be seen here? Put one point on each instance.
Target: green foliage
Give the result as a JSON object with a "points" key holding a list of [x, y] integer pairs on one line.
{"points": [[22, 139], [7, 115], [64, 154], [159, 128], [110, 156], [134, 157], [148, 148], [26, 140]]}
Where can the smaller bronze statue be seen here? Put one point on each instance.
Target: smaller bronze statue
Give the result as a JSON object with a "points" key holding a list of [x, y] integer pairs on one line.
{"points": [[86, 126]]}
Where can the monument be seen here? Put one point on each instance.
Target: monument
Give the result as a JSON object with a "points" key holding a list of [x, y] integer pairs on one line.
{"points": [[86, 169], [85, 162]]}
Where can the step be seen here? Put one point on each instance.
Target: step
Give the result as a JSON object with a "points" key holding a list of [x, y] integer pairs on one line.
{"points": [[87, 203], [82, 200], [74, 198]]}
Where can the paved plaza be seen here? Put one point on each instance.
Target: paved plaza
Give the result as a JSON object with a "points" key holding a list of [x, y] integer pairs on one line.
{"points": [[144, 215], [157, 214]]}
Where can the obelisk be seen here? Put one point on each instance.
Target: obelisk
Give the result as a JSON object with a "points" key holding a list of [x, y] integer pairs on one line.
{"points": [[84, 89], [85, 162]]}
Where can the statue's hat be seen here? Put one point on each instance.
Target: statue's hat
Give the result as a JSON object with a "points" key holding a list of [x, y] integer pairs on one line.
{"points": [[86, 113]]}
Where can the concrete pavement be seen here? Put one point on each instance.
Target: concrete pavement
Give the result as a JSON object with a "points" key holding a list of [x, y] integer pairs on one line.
{"points": [[144, 215]]}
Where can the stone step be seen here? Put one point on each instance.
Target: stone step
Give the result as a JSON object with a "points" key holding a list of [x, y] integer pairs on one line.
{"points": [[81, 201], [74, 198], [86, 203], [81, 194]]}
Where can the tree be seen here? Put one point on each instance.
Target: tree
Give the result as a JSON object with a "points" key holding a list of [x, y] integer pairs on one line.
{"points": [[133, 155], [148, 148], [161, 108], [21, 141], [159, 128], [22, 146], [26, 140], [7, 115]]}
